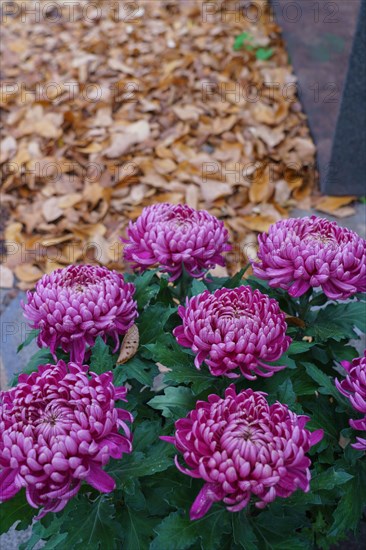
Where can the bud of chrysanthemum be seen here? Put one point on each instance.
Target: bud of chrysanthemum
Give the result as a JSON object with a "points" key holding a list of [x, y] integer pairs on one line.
{"points": [[298, 254], [60, 426], [176, 236], [240, 446], [234, 329], [73, 306], [354, 388]]}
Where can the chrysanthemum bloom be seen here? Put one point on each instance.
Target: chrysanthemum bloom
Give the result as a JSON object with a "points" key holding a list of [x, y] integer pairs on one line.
{"points": [[59, 427], [240, 446], [176, 236], [234, 329], [73, 306], [298, 254], [354, 388]]}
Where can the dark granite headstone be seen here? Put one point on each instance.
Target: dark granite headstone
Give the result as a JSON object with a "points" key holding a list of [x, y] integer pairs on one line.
{"points": [[326, 46]]}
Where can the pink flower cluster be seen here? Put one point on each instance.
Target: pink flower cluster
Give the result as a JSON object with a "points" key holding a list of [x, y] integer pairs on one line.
{"points": [[176, 237], [73, 306], [298, 254], [234, 329], [240, 446], [354, 388], [60, 426]]}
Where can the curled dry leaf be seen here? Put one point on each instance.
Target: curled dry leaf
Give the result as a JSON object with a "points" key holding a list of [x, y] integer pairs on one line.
{"points": [[295, 321], [28, 273], [332, 205], [130, 344]]}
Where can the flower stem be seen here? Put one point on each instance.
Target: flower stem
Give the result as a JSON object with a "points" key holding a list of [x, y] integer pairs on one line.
{"points": [[305, 304]]}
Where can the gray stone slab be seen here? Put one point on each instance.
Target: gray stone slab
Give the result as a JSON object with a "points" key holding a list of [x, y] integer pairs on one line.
{"points": [[14, 330], [319, 38]]}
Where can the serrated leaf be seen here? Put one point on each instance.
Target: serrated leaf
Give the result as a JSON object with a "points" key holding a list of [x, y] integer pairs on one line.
{"points": [[352, 503], [297, 347], [151, 322], [90, 524], [329, 479], [101, 359], [174, 402], [236, 280], [197, 287], [286, 394], [180, 361], [341, 351], [243, 533], [325, 382], [146, 290], [142, 370], [303, 384], [31, 336], [46, 530], [16, 510], [145, 434], [280, 533], [137, 529], [157, 458], [337, 321], [177, 532]]}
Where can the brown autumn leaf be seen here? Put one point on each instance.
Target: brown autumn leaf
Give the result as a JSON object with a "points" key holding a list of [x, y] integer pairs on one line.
{"points": [[128, 136], [295, 321], [28, 273], [330, 205], [136, 113], [130, 344], [261, 188], [260, 222]]}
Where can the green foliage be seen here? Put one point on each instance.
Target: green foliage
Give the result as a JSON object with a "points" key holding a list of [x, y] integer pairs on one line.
{"points": [[149, 508], [178, 532], [16, 510], [338, 321], [174, 403], [142, 370], [31, 336], [264, 53], [101, 359]]}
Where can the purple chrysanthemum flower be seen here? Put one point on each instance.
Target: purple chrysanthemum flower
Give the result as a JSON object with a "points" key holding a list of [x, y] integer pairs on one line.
{"points": [[354, 388], [59, 427], [298, 254], [234, 329], [240, 446], [176, 236], [73, 306]]}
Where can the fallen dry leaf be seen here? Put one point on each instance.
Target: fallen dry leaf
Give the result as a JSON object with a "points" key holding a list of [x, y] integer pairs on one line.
{"points": [[130, 135], [131, 113], [330, 205], [28, 273], [130, 344]]}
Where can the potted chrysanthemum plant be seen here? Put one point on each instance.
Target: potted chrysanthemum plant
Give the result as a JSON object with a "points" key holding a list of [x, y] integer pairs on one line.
{"points": [[170, 409]]}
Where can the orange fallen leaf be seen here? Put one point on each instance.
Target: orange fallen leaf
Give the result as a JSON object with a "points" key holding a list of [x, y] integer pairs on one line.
{"points": [[329, 204], [261, 188], [28, 273]]}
